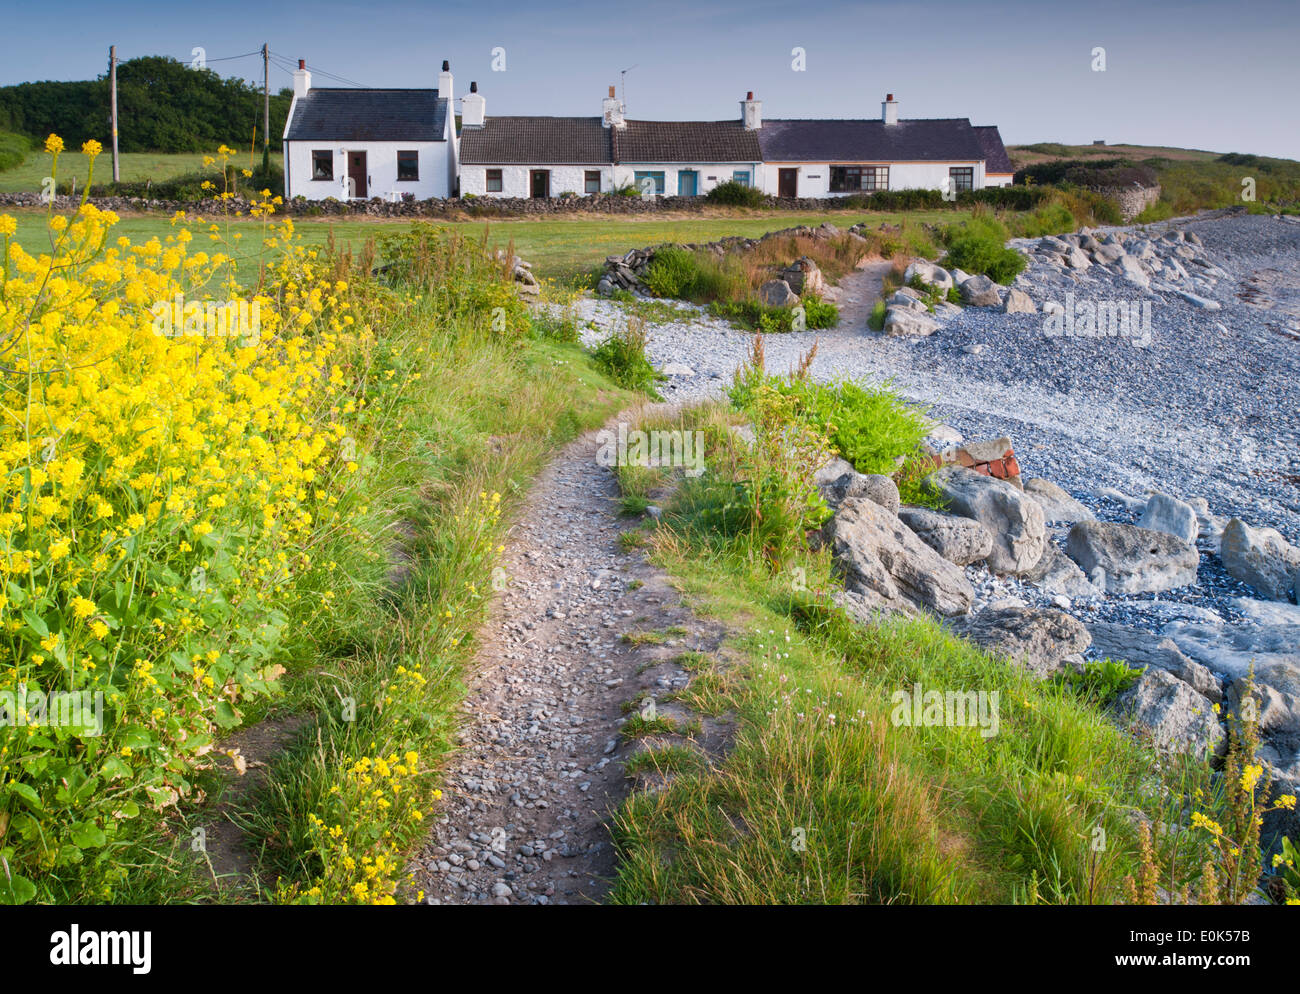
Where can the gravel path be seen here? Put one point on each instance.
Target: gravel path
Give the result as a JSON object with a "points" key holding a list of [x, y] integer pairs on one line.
{"points": [[528, 795]]}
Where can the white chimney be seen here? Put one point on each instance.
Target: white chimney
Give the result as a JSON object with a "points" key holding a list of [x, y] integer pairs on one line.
{"points": [[473, 108], [751, 112], [301, 79], [444, 82], [889, 109], [611, 111]]}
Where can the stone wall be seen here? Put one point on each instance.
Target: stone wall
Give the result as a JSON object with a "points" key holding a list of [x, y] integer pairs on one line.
{"points": [[1133, 200], [457, 207]]}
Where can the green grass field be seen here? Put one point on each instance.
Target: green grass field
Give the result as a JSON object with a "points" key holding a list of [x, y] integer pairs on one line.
{"points": [[560, 249], [136, 167]]}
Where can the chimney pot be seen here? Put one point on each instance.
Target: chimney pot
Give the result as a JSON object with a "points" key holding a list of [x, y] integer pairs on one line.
{"points": [[302, 63], [611, 90], [446, 65], [749, 95], [473, 87], [889, 96]]}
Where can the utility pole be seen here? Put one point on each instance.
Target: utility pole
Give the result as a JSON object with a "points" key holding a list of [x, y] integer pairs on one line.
{"points": [[266, 109], [112, 92]]}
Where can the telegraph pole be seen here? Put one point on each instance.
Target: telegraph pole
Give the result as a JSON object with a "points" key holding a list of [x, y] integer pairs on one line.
{"points": [[266, 109], [112, 92]]}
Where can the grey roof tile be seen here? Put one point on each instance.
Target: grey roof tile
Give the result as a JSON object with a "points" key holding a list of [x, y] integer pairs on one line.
{"points": [[539, 140], [846, 140], [330, 114], [996, 159]]}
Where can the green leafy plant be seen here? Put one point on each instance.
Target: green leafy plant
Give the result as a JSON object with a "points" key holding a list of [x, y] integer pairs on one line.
{"points": [[978, 245], [622, 357], [1101, 681], [734, 194]]}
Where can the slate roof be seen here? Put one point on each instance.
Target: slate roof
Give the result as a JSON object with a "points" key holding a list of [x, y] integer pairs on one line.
{"points": [[536, 140], [996, 159], [686, 141], [831, 140], [336, 114]]}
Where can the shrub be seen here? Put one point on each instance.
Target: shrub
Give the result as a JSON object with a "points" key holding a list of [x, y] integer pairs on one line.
{"points": [[756, 316], [13, 150], [672, 272], [979, 246], [876, 322], [622, 357], [734, 194]]}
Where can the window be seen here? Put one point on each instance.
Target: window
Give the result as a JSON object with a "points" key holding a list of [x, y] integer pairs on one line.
{"points": [[591, 181], [322, 164], [656, 178], [961, 178], [741, 176], [494, 181], [408, 166], [845, 179]]}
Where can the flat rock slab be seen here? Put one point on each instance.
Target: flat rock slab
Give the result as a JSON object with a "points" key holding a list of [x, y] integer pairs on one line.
{"points": [[1040, 640]]}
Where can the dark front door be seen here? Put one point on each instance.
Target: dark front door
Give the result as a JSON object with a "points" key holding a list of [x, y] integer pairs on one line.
{"points": [[540, 182], [787, 183], [357, 174]]}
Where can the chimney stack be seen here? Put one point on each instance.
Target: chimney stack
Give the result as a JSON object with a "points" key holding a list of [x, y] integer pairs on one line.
{"points": [[889, 109], [751, 112], [301, 79], [473, 108], [611, 112], [444, 83]]}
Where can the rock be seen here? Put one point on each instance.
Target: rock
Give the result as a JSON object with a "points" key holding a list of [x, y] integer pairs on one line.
{"points": [[1104, 253], [1050, 243], [1133, 271], [777, 293], [1133, 560], [1041, 640], [906, 321], [959, 276], [1136, 504], [959, 540], [1014, 520], [880, 489], [834, 468], [942, 439], [1139, 648], [1234, 649], [907, 300], [1260, 557], [884, 561], [936, 276], [1057, 505], [1171, 516], [803, 276], [1171, 714], [980, 291], [1077, 259], [677, 369], [1018, 302], [1277, 701], [1205, 303], [1057, 573]]}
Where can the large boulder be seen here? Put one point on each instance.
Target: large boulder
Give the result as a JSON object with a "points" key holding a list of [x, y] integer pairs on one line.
{"points": [[1171, 714], [1040, 640], [1260, 557], [875, 487], [777, 293], [884, 561], [1018, 302], [907, 320], [980, 291], [1131, 560], [1277, 700], [832, 470], [1171, 516], [936, 276], [959, 540], [1057, 505], [1133, 271], [1140, 648], [1013, 519]]}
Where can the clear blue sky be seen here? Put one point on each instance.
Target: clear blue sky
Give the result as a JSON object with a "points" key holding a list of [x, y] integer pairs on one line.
{"points": [[1200, 74]]}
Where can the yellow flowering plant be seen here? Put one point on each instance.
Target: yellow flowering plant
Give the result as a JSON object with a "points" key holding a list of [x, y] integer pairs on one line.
{"points": [[176, 441]]}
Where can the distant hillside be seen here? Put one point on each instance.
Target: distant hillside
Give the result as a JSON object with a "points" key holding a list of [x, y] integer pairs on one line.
{"points": [[162, 105], [1190, 179]]}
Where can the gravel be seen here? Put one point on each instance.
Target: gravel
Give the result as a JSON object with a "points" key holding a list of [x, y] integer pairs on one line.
{"points": [[1208, 409]]}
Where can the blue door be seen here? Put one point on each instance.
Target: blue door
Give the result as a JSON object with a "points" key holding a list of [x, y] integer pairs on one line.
{"points": [[687, 183]]}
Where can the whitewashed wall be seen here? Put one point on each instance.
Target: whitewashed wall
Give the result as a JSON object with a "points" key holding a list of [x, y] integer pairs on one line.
{"points": [[709, 174], [437, 169], [815, 177], [571, 179]]}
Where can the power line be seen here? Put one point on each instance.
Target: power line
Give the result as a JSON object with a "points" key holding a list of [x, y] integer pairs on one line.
{"points": [[288, 66]]}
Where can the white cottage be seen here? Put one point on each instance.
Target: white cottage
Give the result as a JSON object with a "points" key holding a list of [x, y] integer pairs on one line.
{"points": [[550, 156], [840, 157], [355, 144]]}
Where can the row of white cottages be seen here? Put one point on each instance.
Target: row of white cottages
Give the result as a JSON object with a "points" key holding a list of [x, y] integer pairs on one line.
{"points": [[404, 144]]}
